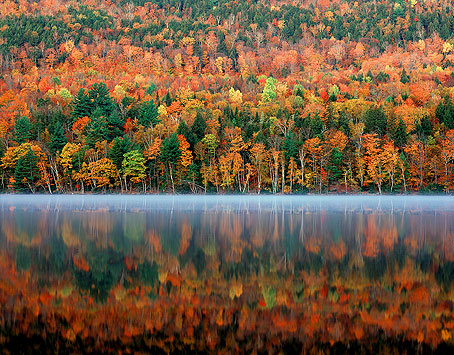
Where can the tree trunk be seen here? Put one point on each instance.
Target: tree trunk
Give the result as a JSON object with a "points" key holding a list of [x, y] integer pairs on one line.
{"points": [[291, 179], [302, 166], [171, 178], [121, 183], [345, 180], [392, 181], [403, 177], [283, 178]]}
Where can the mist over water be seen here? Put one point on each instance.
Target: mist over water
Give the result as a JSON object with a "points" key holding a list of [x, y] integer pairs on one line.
{"points": [[232, 202]]}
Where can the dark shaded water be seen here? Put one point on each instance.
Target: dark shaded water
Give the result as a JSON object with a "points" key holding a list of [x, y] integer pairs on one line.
{"points": [[230, 274]]}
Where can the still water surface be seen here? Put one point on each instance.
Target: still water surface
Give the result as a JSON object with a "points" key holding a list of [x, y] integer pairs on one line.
{"points": [[233, 273]]}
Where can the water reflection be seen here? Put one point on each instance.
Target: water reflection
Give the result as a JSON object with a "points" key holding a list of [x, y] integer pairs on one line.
{"points": [[209, 273]]}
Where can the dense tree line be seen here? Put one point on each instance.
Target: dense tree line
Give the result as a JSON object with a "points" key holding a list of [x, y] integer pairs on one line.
{"points": [[181, 144]]}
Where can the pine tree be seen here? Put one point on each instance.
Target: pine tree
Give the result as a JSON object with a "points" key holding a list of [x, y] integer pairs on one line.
{"points": [[115, 125], [151, 89], [120, 146], [404, 78], [170, 149], [101, 99], [26, 172], [423, 128], [234, 56], [82, 105], [57, 139], [22, 130], [97, 129], [222, 47], [290, 148], [375, 120], [184, 130], [335, 164], [168, 99], [400, 134], [170, 152], [315, 125], [445, 112], [342, 123], [148, 114], [198, 127]]}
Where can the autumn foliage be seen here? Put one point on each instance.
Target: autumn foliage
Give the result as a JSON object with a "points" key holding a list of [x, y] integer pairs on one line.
{"points": [[277, 97]]}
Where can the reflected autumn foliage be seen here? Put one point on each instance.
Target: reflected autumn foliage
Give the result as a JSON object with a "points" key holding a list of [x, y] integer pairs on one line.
{"points": [[223, 279]]}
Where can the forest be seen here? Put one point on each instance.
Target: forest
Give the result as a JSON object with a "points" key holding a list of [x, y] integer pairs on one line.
{"points": [[220, 96]]}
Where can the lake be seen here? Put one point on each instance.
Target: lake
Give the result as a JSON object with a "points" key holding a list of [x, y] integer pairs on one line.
{"points": [[261, 274]]}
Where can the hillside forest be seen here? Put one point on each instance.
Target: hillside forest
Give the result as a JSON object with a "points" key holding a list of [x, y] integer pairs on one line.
{"points": [[224, 96]]}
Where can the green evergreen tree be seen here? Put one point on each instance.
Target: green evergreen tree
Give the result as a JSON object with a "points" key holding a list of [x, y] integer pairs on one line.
{"points": [[170, 149], [375, 120], [315, 126], [114, 125], [382, 77], [120, 146], [101, 99], [148, 114], [26, 172], [400, 134], [444, 31], [22, 130], [423, 128], [233, 54], [151, 89], [342, 123], [335, 165], [222, 47], [404, 78], [170, 152], [57, 139], [445, 112], [82, 105], [197, 49], [97, 129], [168, 99], [184, 130], [260, 138], [198, 127], [290, 148]]}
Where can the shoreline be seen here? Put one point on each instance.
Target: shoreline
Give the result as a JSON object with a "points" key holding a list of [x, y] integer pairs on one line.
{"points": [[309, 195]]}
